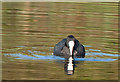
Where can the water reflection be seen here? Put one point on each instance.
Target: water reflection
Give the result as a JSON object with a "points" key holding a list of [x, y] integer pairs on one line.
{"points": [[70, 70], [69, 66], [69, 63]]}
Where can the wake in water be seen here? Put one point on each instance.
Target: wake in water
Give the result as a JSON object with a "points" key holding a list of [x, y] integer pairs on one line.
{"points": [[52, 57]]}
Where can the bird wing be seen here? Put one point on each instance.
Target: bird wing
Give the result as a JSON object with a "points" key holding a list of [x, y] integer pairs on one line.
{"points": [[80, 50], [59, 46]]}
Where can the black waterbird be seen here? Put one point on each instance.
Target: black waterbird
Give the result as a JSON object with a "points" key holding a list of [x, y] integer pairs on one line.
{"points": [[68, 47]]}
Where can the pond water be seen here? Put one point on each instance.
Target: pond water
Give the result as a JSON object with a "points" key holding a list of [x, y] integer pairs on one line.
{"points": [[31, 30]]}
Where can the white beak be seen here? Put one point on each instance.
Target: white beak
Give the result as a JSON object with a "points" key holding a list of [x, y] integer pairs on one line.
{"points": [[71, 45]]}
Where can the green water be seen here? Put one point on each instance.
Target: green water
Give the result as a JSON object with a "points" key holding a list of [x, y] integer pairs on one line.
{"points": [[31, 29]]}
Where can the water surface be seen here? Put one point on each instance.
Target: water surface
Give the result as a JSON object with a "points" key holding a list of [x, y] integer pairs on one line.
{"points": [[31, 30]]}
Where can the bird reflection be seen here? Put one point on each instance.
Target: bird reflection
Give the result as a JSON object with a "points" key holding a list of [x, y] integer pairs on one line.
{"points": [[69, 66]]}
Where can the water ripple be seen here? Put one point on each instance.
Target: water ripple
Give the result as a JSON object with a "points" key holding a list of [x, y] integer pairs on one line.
{"points": [[102, 54], [52, 57]]}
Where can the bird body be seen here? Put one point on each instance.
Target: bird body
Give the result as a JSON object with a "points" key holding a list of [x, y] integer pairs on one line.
{"points": [[68, 47]]}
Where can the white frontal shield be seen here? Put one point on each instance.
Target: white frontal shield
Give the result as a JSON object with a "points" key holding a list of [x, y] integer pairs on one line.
{"points": [[71, 45]]}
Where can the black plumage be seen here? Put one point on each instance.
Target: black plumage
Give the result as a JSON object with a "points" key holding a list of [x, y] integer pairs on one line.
{"points": [[62, 48]]}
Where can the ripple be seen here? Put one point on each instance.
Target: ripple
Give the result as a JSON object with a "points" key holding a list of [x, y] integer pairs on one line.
{"points": [[52, 57], [102, 54], [20, 46], [93, 59], [94, 50], [39, 52], [87, 46]]}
